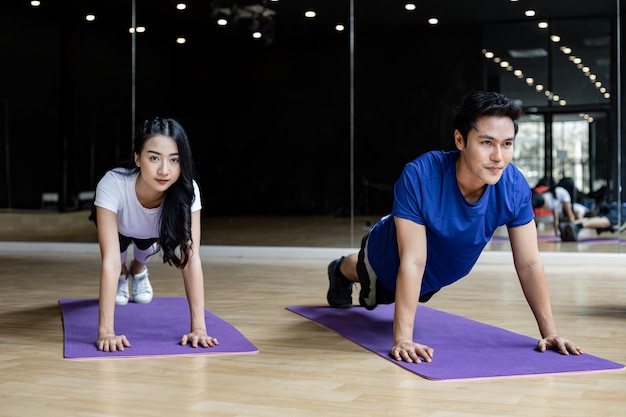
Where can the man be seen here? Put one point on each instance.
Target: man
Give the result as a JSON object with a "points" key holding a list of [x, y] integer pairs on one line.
{"points": [[447, 206]]}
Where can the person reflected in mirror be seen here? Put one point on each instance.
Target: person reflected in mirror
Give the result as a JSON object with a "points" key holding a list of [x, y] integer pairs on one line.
{"points": [[609, 218], [559, 202]]}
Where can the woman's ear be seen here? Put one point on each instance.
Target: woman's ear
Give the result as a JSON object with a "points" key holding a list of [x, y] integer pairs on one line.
{"points": [[137, 159], [458, 140]]}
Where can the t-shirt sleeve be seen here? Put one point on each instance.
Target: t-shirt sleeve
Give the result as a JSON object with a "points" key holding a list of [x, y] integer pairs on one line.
{"points": [[525, 213], [107, 193], [197, 202], [407, 201], [562, 195]]}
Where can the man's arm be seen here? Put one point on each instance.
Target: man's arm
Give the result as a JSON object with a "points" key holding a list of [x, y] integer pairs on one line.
{"points": [[529, 267], [412, 250]]}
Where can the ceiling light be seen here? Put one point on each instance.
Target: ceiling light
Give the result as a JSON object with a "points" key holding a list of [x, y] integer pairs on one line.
{"points": [[257, 35], [339, 27], [504, 64], [222, 22], [539, 87], [410, 6], [529, 13], [542, 25], [518, 73], [489, 54], [530, 81], [90, 17], [181, 6], [433, 21], [181, 40], [566, 50], [562, 102], [555, 38], [35, 3], [310, 14]]}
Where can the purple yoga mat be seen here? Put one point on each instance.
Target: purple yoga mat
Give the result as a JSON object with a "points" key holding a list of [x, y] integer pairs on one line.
{"points": [[153, 329], [464, 348]]}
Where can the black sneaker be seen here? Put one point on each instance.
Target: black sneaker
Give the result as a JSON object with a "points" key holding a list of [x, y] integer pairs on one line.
{"points": [[572, 232], [567, 232], [339, 288]]}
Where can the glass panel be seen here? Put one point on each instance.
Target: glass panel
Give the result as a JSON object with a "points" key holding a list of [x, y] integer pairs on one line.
{"points": [[517, 66], [529, 153], [571, 150], [581, 58]]}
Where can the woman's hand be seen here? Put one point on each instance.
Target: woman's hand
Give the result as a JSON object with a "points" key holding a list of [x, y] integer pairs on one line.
{"points": [[112, 343], [199, 338]]}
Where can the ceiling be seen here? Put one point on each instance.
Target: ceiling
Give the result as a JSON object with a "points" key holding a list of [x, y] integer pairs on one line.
{"points": [[506, 20], [161, 15]]}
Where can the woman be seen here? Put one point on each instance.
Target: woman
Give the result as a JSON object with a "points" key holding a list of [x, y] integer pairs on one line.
{"points": [[557, 200], [154, 203]]}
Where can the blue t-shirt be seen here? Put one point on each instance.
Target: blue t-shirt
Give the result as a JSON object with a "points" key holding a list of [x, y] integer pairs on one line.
{"points": [[456, 231]]}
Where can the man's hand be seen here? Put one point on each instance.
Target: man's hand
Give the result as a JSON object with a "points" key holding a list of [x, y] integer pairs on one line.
{"points": [[556, 342], [411, 352], [199, 338], [112, 343]]}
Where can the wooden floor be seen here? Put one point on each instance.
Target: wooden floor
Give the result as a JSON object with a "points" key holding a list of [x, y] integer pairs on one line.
{"points": [[302, 369]]}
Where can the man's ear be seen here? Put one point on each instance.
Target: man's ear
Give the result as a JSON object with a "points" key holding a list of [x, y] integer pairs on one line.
{"points": [[458, 140]]}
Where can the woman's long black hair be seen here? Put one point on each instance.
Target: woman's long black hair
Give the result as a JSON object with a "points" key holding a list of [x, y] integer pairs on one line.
{"points": [[175, 223]]}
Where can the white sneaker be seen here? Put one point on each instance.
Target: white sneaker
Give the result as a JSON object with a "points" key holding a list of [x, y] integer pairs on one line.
{"points": [[142, 290], [121, 298]]}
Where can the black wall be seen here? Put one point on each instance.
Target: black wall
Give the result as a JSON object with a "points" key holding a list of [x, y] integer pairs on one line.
{"points": [[269, 124]]}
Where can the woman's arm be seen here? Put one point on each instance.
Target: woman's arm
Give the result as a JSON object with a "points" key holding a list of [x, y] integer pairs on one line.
{"points": [[193, 279], [110, 271]]}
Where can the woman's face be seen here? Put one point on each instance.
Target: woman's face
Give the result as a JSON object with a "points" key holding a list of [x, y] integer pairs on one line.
{"points": [[158, 162]]}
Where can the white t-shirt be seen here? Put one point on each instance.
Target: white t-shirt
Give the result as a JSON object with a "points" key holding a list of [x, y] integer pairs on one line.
{"points": [[554, 203], [116, 192]]}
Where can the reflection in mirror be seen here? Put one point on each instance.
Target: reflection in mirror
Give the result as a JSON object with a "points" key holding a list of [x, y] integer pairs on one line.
{"points": [[561, 72], [297, 125]]}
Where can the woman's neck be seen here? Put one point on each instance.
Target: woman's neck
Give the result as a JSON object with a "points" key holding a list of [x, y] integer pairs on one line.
{"points": [[147, 198]]}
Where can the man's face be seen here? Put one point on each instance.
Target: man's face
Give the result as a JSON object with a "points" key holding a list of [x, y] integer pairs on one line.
{"points": [[488, 151]]}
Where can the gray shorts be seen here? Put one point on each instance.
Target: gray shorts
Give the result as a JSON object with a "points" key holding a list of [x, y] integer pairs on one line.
{"points": [[373, 291]]}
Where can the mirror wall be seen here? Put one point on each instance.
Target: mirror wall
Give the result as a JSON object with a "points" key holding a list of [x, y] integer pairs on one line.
{"points": [[305, 127]]}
